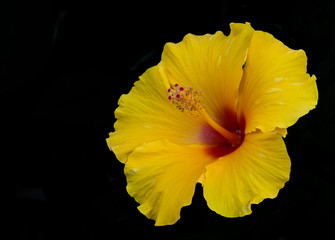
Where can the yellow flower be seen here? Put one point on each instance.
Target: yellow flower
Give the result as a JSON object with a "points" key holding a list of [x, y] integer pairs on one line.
{"points": [[214, 111]]}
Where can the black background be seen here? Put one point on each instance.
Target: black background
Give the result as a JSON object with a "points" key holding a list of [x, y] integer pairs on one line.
{"points": [[67, 63]]}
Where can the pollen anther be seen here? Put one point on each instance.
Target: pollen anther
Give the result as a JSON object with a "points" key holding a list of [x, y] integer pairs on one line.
{"points": [[185, 98]]}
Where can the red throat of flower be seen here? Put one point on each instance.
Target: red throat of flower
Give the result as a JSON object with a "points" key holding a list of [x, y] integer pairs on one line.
{"points": [[191, 101]]}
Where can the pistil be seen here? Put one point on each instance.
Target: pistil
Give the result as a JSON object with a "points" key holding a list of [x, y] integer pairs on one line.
{"points": [[191, 100]]}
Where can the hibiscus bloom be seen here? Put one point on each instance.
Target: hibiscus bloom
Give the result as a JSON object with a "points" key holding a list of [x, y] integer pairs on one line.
{"points": [[213, 111]]}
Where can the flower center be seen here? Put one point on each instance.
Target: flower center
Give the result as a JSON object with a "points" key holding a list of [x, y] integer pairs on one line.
{"points": [[191, 101]]}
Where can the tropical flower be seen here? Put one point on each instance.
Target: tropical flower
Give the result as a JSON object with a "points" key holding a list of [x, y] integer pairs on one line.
{"points": [[213, 111]]}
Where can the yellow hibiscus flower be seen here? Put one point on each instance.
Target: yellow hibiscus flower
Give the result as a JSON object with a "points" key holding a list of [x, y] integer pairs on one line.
{"points": [[213, 111]]}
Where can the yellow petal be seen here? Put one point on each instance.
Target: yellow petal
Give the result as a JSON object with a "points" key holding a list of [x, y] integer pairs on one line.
{"points": [[281, 131], [275, 89], [146, 114], [212, 64], [161, 176], [258, 169]]}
